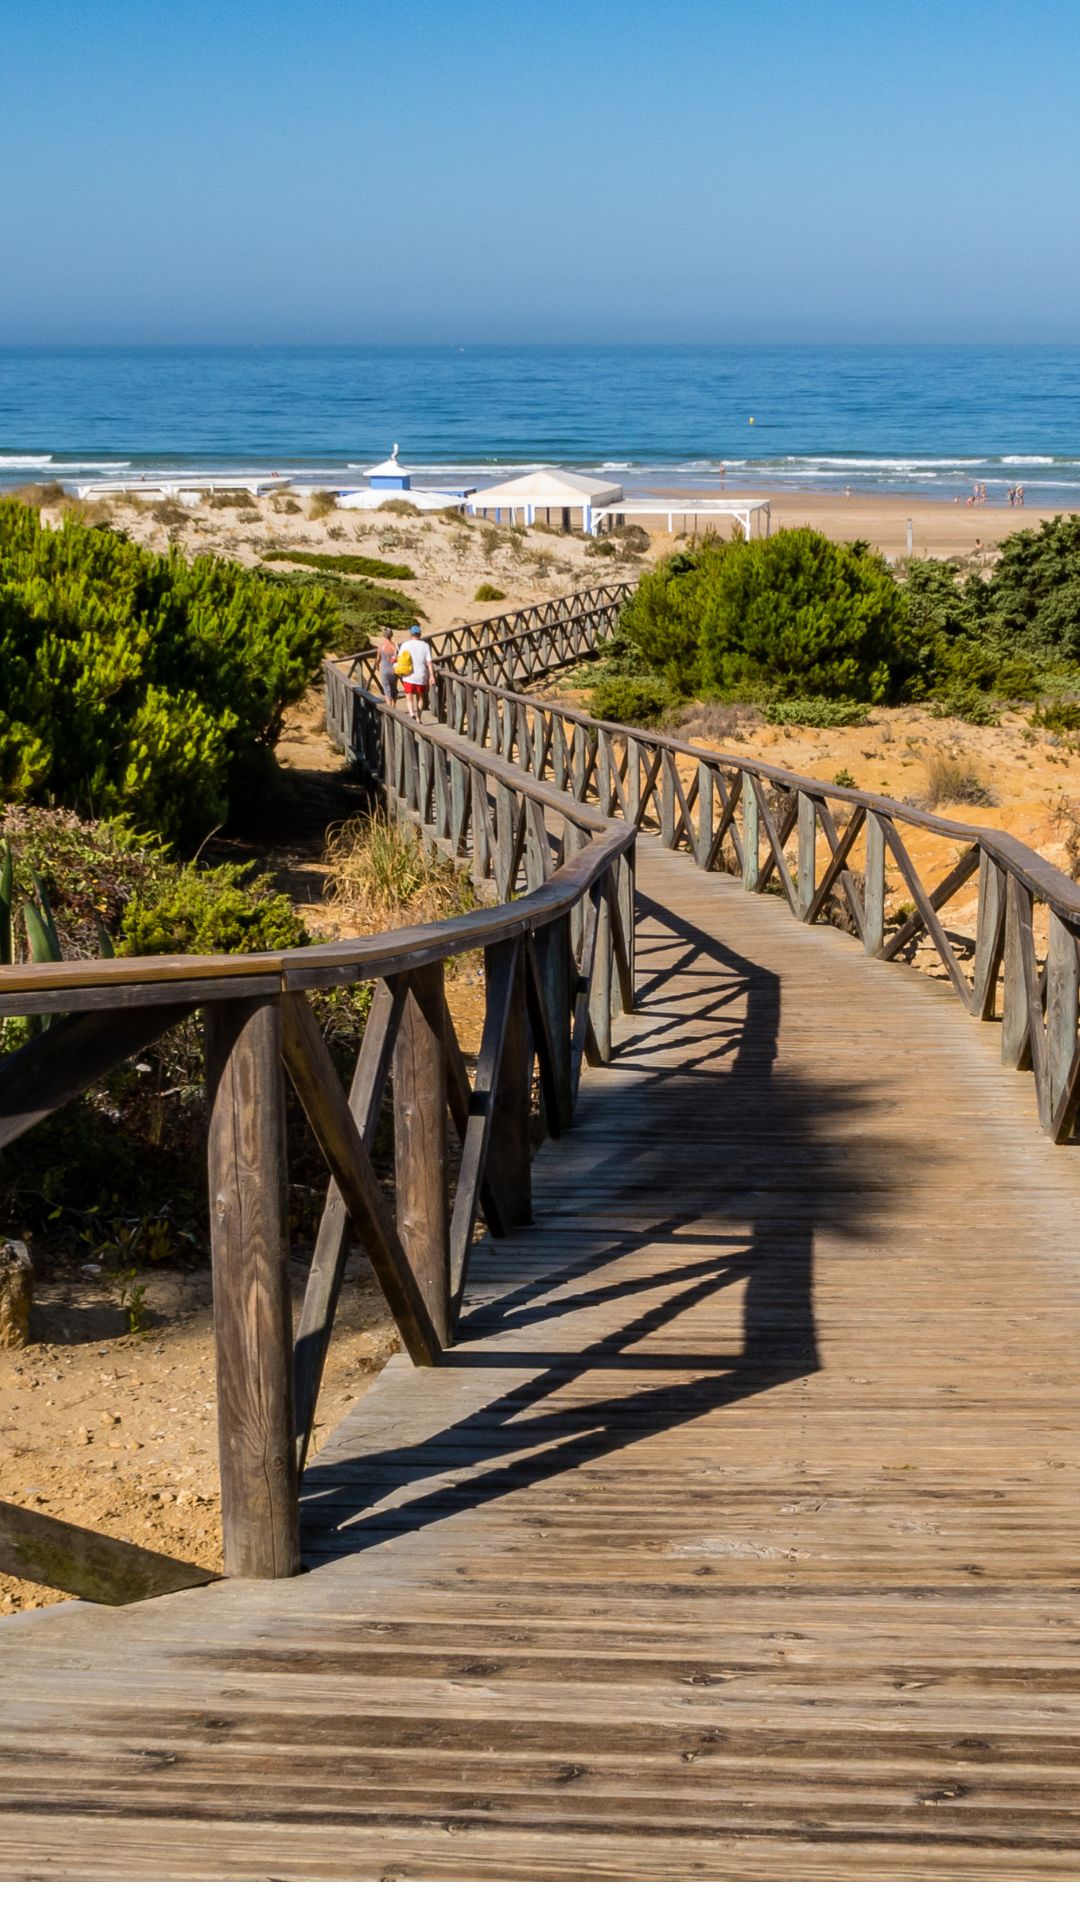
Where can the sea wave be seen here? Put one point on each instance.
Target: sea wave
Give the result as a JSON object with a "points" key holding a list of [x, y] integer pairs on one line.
{"points": [[24, 460]]}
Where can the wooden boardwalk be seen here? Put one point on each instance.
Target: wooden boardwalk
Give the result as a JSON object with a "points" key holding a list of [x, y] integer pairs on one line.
{"points": [[737, 1538]]}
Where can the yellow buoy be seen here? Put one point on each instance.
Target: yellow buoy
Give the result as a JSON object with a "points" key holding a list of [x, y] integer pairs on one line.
{"points": [[751, 422]]}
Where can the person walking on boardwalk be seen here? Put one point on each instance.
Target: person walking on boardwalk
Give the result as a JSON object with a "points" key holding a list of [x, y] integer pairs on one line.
{"points": [[419, 675], [386, 650]]}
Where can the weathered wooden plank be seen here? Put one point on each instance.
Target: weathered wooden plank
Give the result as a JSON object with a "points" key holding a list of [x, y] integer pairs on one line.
{"points": [[252, 1307]]}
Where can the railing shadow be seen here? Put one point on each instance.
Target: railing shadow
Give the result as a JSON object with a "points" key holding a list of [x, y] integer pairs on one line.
{"points": [[697, 1148]]}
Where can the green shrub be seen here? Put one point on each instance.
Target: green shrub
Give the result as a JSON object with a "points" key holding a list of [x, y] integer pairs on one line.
{"points": [[343, 563], [1058, 716], [486, 591], [226, 909], [844, 779], [960, 700], [361, 607], [796, 614], [1035, 587], [630, 701], [143, 684], [816, 710]]}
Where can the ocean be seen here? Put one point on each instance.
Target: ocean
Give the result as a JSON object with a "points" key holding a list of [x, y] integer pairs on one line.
{"points": [[925, 421]]}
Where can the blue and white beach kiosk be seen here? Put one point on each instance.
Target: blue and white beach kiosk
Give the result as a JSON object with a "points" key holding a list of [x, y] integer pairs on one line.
{"points": [[390, 476]]}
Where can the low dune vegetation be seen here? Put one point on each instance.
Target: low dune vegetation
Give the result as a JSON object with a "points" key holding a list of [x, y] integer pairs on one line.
{"points": [[815, 632]]}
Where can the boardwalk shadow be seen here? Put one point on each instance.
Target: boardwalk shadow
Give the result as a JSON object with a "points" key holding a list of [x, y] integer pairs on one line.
{"points": [[697, 1147]]}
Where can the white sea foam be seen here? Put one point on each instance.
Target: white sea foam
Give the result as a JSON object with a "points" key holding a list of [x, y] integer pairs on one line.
{"points": [[24, 460], [1030, 460]]}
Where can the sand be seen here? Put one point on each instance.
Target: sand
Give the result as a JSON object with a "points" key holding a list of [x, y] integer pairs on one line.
{"points": [[452, 558]]}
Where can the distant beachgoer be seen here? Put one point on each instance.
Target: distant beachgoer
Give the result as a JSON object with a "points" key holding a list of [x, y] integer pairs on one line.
{"points": [[387, 652], [1020, 495], [420, 677]]}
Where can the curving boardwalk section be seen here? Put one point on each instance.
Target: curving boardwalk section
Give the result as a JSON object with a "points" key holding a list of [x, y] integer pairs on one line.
{"points": [[736, 1538]]}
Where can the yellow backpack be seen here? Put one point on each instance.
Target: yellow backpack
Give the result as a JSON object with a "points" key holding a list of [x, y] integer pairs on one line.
{"points": [[403, 663]]}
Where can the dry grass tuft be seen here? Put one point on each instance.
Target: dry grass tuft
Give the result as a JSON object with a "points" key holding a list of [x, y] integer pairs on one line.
{"points": [[1066, 815], [383, 875], [713, 720], [954, 779], [321, 505]]}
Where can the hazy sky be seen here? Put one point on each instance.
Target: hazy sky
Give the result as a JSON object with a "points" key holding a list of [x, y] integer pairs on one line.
{"points": [[338, 171]]}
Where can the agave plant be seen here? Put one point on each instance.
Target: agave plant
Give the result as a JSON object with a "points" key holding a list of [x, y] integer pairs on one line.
{"points": [[42, 939]]}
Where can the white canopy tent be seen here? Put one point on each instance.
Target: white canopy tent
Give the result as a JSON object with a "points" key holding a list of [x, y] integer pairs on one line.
{"points": [[549, 490], [754, 516]]}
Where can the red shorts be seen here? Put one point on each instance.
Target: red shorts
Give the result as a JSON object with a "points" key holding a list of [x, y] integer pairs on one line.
{"points": [[415, 686]]}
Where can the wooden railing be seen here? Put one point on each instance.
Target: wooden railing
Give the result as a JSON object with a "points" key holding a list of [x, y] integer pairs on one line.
{"points": [[505, 650], [834, 853], [557, 960]]}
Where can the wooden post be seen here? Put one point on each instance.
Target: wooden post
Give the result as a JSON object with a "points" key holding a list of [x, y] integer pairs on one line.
{"points": [[807, 852], [252, 1307], [627, 915], [556, 962], [504, 841], [1015, 1025], [459, 801], [989, 938], [574, 839], [751, 836], [481, 828], [633, 780], [667, 797], [558, 754], [509, 1165], [705, 814], [600, 984], [420, 1160], [1062, 1004], [874, 886]]}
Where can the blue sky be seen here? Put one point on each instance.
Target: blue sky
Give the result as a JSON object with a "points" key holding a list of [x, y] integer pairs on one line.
{"points": [[441, 170]]}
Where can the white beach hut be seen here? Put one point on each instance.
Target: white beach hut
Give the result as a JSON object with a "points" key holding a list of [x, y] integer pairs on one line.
{"points": [[549, 490]]}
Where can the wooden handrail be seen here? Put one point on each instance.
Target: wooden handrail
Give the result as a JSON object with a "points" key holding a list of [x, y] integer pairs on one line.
{"points": [[476, 636], [1047, 881], [557, 868]]}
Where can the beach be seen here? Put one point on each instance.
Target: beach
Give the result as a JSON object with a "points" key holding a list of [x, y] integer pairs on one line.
{"points": [[452, 557], [941, 529]]}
